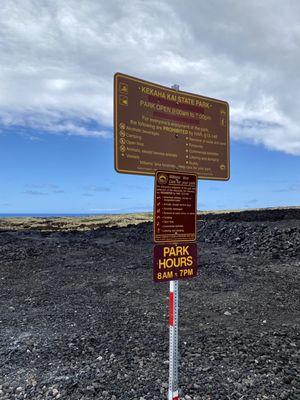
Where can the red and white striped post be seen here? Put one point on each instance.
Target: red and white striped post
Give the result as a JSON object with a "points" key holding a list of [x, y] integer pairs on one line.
{"points": [[173, 341]]}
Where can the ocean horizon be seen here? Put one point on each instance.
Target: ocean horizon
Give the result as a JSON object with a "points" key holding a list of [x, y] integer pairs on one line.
{"points": [[50, 215]]}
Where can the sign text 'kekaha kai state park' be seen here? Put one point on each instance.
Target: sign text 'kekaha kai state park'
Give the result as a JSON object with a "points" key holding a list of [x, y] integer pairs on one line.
{"points": [[159, 128]]}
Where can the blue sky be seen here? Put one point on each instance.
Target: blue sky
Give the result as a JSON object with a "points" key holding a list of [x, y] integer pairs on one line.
{"points": [[57, 62]]}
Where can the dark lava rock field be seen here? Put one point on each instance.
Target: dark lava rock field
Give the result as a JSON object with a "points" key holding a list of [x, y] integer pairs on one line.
{"points": [[81, 319]]}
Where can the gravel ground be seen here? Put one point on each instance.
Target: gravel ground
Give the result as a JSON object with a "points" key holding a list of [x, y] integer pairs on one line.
{"points": [[81, 319]]}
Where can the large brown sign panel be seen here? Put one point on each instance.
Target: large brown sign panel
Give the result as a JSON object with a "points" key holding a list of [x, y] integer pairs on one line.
{"points": [[174, 262], [175, 207], [158, 128]]}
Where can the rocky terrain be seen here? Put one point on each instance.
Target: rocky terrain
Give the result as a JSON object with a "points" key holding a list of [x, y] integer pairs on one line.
{"points": [[81, 319]]}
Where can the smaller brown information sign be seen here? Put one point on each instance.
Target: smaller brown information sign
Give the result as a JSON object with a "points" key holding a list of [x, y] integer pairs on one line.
{"points": [[175, 207], [174, 261]]}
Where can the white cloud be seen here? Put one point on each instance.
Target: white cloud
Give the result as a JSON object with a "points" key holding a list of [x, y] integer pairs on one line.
{"points": [[58, 59]]}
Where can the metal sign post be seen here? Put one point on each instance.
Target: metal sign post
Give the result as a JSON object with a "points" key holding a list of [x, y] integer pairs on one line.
{"points": [[173, 341]]}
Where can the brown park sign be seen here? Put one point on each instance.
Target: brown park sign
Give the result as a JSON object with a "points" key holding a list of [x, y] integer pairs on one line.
{"points": [[174, 261], [175, 207], [159, 128]]}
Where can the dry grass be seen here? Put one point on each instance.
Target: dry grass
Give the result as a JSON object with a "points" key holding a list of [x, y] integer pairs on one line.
{"points": [[97, 221], [73, 223]]}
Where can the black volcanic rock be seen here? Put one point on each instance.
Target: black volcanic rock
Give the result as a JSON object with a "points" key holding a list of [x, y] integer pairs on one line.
{"points": [[81, 319]]}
